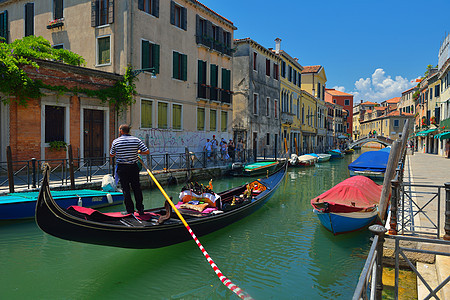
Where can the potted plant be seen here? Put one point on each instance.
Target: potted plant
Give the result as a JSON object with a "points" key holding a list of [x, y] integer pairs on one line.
{"points": [[57, 145]]}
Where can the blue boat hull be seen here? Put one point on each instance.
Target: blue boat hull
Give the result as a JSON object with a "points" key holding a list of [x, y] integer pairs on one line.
{"points": [[14, 207], [346, 222]]}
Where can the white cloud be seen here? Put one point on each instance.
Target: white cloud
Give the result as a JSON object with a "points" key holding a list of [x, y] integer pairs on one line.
{"points": [[339, 88], [380, 87]]}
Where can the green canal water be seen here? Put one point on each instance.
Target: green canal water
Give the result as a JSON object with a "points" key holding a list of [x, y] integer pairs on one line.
{"points": [[279, 252]]}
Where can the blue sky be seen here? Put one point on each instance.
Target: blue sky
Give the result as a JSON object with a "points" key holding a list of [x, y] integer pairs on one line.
{"points": [[372, 49]]}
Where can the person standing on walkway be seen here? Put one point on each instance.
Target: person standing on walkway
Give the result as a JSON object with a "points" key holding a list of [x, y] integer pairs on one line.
{"points": [[207, 148], [231, 149], [447, 149], [126, 149], [214, 145]]}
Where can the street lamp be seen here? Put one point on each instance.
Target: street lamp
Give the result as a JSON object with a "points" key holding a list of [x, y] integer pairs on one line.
{"points": [[139, 71]]}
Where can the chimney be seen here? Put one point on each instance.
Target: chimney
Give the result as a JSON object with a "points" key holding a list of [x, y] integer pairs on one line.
{"points": [[361, 101], [277, 45]]}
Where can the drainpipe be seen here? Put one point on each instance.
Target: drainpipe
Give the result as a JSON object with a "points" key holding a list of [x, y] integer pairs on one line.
{"points": [[130, 44]]}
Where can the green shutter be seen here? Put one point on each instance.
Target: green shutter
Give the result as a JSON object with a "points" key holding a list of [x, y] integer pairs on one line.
{"points": [[146, 114], [213, 79], [201, 75], [145, 55], [176, 116], [184, 67], [175, 65], [155, 58]]}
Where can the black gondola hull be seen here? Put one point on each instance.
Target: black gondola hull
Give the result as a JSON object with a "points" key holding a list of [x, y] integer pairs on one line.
{"points": [[55, 221]]}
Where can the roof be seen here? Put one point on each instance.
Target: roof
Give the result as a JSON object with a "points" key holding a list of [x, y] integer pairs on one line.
{"points": [[213, 12], [380, 108], [394, 100], [292, 60], [336, 92], [404, 92], [369, 103], [256, 45], [369, 111], [311, 69], [397, 113]]}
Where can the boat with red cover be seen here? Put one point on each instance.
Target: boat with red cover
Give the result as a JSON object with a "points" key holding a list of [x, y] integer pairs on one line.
{"points": [[157, 227], [348, 206]]}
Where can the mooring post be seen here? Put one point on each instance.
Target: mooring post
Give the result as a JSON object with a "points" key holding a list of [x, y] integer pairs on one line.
{"points": [[380, 231], [71, 171], [394, 206], [33, 172], [276, 142], [10, 169], [166, 161], [447, 211]]}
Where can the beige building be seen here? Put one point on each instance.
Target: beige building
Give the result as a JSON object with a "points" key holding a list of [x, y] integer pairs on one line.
{"points": [[388, 125], [174, 108]]}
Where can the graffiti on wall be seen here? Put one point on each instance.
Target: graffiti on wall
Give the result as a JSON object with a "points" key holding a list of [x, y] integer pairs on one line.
{"points": [[162, 141]]}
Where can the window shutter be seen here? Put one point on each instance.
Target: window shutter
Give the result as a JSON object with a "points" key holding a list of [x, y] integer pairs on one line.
{"points": [[220, 35], [201, 73], [197, 29], [172, 13], [141, 4], [57, 9], [94, 14], [145, 55], [29, 19], [155, 9], [175, 65], [184, 18], [4, 26], [209, 30], [111, 12], [155, 58], [184, 67]]}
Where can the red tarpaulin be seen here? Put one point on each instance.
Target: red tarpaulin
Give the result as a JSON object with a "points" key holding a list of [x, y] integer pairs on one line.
{"points": [[358, 192]]}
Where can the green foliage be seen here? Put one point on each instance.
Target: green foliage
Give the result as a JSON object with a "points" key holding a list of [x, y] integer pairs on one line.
{"points": [[57, 145], [16, 83]]}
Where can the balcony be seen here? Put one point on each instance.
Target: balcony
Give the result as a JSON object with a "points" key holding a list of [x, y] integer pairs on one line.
{"points": [[55, 23], [225, 96], [287, 118]]}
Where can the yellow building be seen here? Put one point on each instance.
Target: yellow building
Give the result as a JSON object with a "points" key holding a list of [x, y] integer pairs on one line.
{"points": [[290, 97], [308, 120]]}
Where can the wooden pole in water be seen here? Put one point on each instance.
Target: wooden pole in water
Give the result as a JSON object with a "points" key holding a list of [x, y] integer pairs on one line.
{"points": [[10, 169], [71, 171], [296, 147], [388, 176]]}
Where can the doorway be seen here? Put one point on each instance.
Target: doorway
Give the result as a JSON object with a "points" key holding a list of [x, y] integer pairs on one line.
{"points": [[93, 131]]}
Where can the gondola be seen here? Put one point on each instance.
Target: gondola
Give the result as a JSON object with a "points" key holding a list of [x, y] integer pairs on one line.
{"points": [[158, 227]]}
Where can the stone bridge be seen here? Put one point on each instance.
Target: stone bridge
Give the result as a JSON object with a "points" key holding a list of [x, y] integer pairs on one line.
{"points": [[378, 139]]}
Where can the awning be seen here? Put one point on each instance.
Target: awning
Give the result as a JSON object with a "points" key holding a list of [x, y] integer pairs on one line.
{"points": [[426, 132], [445, 124], [342, 137], [443, 135]]}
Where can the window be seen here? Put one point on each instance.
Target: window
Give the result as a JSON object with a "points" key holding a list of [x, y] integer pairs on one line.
{"points": [[347, 102], [178, 15], [177, 113], [201, 78], [294, 77], [102, 12], [334, 100], [57, 9], [59, 46], [149, 6], [437, 91], [54, 123], [179, 66], [226, 79], [103, 50], [276, 72], [275, 109], [200, 119], [4, 26], [254, 60], [283, 69], [29, 19], [299, 81], [213, 81], [223, 121], [255, 104], [268, 139], [162, 115], [146, 113], [267, 67], [290, 73], [268, 106], [150, 56], [318, 91], [396, 123], [212, 120]]}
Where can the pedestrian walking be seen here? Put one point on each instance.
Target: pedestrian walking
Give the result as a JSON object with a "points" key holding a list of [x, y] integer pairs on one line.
{"points": [[214, 145], [208, 149], [223, 149], [447, 149], [126, 149]]}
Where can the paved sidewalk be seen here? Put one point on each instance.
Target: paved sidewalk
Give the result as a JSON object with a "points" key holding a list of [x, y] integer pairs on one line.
{"points": [[429, 169]]}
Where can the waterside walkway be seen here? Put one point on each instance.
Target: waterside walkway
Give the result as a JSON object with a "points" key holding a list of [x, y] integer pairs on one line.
{"points": [[429, 169]]}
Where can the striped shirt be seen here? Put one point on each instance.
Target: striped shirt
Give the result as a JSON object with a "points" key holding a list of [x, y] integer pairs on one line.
{"points": [[126, 147]]}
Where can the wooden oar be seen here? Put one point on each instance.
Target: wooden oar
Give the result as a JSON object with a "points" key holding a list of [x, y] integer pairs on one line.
{"points": [[227, 282]]}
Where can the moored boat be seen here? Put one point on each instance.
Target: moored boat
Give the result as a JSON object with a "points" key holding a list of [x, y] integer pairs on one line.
{"points": [[22, 205], [349, 151], [321, 157], [348, 206], [254, 169], [335, 153], [371, 164], [157, 227], [307, 160]]}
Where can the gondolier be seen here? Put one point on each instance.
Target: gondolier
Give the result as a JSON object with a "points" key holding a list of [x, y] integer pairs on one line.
{"points": [[126, 149]]}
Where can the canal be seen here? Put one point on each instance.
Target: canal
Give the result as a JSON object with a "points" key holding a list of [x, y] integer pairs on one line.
{"points": [[279, 252]]}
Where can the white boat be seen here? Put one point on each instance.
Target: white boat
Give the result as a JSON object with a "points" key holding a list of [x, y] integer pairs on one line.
{"points": [[321, 157], [307, 160]]}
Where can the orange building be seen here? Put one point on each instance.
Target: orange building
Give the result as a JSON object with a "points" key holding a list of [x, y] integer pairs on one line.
{"points": [[345, 100]]}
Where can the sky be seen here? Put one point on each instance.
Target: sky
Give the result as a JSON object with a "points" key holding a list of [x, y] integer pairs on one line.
{"points": [[373, 49]]}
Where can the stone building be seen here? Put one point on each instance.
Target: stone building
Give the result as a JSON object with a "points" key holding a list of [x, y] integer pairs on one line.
{"points": [[256, 106]]}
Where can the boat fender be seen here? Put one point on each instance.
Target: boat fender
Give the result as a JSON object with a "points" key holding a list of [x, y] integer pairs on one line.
{"points": [[110, 198], [216, 212], [80, 202]]}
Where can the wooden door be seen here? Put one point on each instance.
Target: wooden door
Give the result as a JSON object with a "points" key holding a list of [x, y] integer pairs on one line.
{"points": [[93, 133]]}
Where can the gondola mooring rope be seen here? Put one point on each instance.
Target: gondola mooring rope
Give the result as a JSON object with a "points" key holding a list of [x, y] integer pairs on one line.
{"points": [[225, 280]]}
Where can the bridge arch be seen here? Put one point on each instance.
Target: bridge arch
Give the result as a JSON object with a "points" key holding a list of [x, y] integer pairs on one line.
{"points": [[379, 139]]}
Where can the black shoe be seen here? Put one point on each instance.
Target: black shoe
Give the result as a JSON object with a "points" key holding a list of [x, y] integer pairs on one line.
{"points": [[141, 212]]}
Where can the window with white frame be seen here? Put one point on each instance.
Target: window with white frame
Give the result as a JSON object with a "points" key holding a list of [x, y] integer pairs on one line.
{"points": [[104, 50], [163, 113], [212, 120], [347, 102], [55, 121], [177, 116]]}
